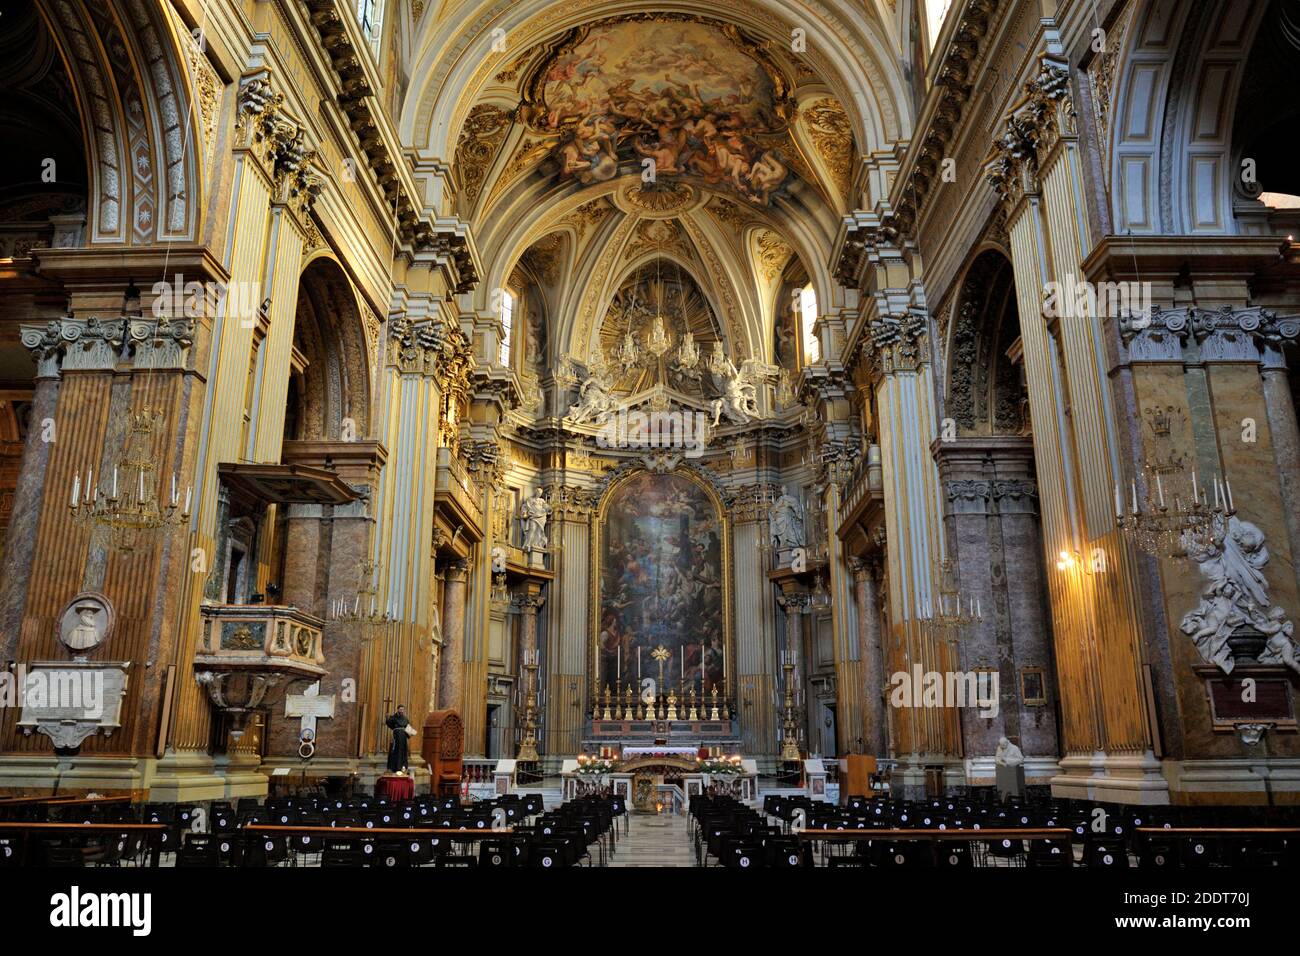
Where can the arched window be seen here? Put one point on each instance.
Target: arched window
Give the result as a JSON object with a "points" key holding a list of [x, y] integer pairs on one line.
{"points": [[812, 349], [936, 11], [370, 14], [507, 326]]}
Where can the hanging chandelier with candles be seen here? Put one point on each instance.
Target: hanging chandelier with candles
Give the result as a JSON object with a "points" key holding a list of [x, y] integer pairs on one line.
{"points": [[364, 609], [1167, 521], [955, 611], [132, 503]]}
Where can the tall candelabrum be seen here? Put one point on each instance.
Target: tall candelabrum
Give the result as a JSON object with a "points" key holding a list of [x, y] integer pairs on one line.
{"points": [[528, 737], [795, 604], [131, 501], [1173, 515]]}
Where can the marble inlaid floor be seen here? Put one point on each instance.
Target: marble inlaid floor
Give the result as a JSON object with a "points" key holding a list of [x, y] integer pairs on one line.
{"points": [[655, 840]]}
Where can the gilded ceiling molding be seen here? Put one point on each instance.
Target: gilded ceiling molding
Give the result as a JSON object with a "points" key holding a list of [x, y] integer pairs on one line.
{"points": [[831, 133], [480, 139]]}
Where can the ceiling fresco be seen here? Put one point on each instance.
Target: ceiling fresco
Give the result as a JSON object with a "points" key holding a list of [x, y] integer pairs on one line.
{"points": [[698, 100]]}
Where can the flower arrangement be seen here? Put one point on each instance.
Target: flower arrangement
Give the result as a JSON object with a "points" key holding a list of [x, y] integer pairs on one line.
{"points": [[595, 766], [721, 765]]}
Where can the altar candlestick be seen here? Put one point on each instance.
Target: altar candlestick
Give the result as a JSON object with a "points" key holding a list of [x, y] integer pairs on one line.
{"points": [[1135, 497], [1160, 490], [1227, 485], [76, 488], [1195, 496], [1119, 502]]}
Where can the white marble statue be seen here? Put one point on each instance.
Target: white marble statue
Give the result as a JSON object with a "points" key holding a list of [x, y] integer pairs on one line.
{"points": [[595, 399], [1008, 754], [739, 387], [787, 522], [534, 513], [1232, 559]]}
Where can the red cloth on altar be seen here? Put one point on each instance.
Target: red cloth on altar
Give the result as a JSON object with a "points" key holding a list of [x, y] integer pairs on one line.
{"points": [[394, 787]]}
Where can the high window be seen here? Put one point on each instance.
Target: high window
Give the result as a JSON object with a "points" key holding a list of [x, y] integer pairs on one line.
{"points": [[812, 349], [507, 326]]}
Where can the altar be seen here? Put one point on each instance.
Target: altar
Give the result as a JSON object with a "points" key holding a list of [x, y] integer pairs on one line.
{"points": [[687, 752]]}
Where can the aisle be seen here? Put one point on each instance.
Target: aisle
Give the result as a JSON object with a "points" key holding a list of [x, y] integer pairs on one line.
{"points": [[661, 840]]}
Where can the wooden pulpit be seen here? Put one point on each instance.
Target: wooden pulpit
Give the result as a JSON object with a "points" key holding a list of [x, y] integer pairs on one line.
{"points": [[855, 776], [443, 745]]}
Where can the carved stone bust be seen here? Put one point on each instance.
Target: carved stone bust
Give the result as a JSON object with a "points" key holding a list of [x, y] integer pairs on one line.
{"points": [[86, 622]]}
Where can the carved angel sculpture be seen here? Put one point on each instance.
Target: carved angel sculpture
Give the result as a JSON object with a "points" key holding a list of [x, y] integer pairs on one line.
{"points": [[595, 401], [739, 387]]}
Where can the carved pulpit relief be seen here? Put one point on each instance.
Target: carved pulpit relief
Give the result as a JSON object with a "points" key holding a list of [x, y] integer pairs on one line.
{"points": [[1235, 621]]}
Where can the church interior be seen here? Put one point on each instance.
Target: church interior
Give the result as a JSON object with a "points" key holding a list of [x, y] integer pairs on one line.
{"points": [[745, 433]]}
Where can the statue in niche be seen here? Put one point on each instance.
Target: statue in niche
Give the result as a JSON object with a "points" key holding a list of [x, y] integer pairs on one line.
{"points": [[1235, 607], [1008, 754], [787, 522], [534, 513]]}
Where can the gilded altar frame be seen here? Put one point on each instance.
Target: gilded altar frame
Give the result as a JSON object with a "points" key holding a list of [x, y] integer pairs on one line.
{"points": [[596, 542]]}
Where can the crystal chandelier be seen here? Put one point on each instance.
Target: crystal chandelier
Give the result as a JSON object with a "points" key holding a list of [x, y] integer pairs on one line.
{"points": [[1168, 523], [364, 609], [132, 503], [658, 341], [688, 354], [956, 611]]}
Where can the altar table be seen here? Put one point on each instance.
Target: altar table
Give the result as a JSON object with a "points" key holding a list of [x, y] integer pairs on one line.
{"points": [[629, 752], [394, 787]]}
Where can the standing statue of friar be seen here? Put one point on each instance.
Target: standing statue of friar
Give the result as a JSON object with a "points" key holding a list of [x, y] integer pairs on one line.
{"points": [[398, 751]]}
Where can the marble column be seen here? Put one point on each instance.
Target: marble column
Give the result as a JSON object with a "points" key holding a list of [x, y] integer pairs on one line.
{"points": [[875, 737], [20, 539], [451, 682], [1282, 426]]}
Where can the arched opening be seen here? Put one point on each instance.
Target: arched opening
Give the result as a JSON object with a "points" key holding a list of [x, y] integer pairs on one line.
{"points": [[43, 193], [993, 536]]}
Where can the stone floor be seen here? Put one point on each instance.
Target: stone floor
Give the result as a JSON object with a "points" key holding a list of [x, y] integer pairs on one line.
{"points": [[655, 840]]}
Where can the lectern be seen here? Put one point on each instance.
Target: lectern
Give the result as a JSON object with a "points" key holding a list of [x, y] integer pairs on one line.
{"points": [[442, 746]]}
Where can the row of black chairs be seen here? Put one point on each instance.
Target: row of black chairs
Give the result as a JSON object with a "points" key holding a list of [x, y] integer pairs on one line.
{"points": [[734, 835], [1099, 835]]}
